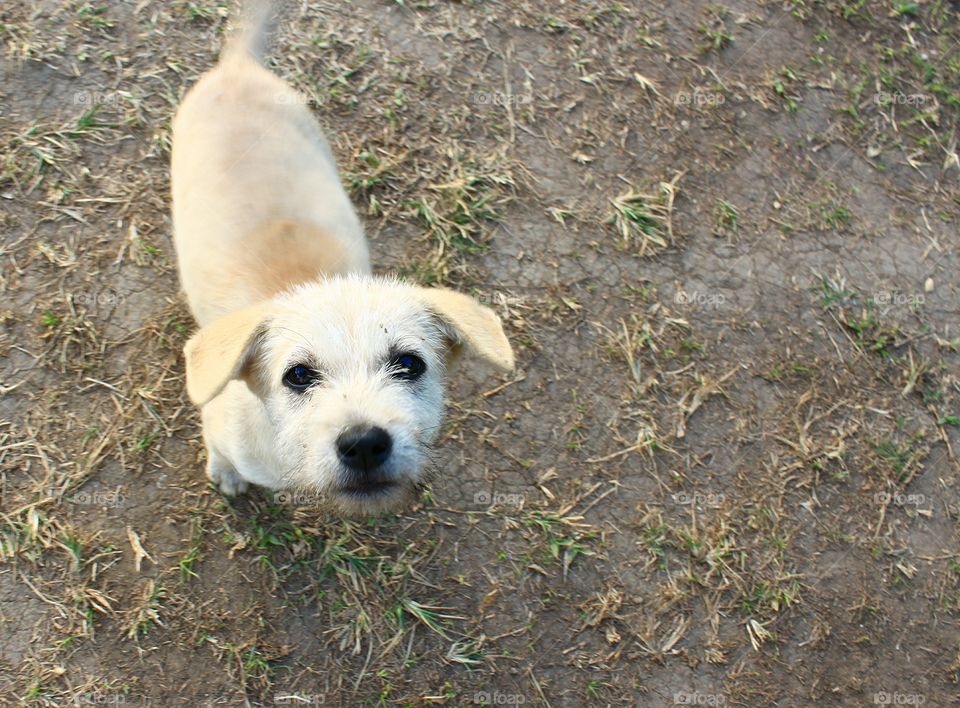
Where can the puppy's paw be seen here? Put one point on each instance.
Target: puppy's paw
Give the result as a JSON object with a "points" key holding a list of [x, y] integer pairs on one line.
{"points": [[222, 474], [233, 484]]}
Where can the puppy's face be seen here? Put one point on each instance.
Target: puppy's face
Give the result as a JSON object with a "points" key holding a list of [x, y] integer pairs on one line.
{"points": [[351, 377], [350, 373]]}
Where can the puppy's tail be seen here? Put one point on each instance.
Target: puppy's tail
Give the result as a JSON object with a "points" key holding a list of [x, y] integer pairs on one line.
{"points": [[249, 38]]}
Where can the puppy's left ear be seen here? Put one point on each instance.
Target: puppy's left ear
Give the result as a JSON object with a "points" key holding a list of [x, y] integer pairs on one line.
{"points": [[468, 322]]}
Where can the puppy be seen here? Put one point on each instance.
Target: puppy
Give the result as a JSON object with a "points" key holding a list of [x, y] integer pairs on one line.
{"points": [[311, 373]]}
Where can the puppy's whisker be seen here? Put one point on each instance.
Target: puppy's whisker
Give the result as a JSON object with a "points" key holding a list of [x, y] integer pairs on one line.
{"points": [[294, 332]]}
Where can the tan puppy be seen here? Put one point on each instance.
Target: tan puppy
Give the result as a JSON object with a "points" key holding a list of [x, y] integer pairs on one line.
{"points": [[311, 373]]}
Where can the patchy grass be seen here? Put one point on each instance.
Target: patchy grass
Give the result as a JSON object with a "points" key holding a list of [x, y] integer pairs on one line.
{"points": [[644, 220]]}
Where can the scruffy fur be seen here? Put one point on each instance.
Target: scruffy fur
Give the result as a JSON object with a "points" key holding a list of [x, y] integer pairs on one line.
{"points": [[276, 270]]}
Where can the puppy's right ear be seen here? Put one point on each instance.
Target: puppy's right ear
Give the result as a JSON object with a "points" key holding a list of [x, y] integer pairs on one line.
{"points": [[220, 352]]}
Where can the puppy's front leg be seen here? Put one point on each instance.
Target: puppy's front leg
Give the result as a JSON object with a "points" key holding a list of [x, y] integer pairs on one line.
{"points": [[219, 469], [222, 474]]}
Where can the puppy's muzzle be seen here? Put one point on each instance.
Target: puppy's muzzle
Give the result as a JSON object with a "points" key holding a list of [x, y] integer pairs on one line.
{"points": [[365, 451]]}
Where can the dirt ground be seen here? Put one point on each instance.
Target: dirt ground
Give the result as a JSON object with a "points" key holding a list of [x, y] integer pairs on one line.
{"points": [[723, 239]]}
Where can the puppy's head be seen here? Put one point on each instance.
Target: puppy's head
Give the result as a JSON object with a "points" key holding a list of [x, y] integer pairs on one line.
{"points": [[350, 373]]}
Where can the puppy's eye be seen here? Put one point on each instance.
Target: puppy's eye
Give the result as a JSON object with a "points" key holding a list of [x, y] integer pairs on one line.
{"points": [[407, 367], [299, 377]]}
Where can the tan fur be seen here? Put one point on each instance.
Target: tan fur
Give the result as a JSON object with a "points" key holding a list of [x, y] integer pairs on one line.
{"points": [[284, 253], [251, 171]]}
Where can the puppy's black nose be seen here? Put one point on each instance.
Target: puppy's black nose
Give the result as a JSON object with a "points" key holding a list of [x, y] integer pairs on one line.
{"points": [[364, 449]]}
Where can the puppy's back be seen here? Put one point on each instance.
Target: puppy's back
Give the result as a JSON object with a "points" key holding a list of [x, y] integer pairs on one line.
{"points": [[257, 200]]}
